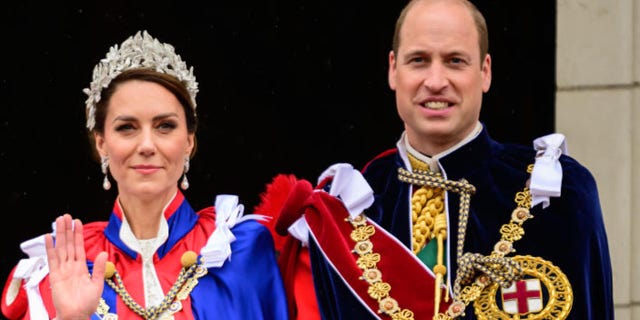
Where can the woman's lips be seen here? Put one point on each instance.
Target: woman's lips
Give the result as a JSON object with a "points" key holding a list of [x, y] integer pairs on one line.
{"points": [[146, 169]]}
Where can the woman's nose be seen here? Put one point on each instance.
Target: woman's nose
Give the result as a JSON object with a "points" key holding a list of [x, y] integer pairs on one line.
{"points": [[146, 145]]}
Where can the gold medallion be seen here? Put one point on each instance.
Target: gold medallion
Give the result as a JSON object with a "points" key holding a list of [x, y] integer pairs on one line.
{"points": [[525, 299]]}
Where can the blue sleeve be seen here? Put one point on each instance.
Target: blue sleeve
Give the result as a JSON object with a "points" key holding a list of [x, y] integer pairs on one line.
{"points": [[590, 272], [248, 285]]}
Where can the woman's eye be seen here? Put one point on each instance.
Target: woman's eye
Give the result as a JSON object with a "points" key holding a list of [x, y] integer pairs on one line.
{"points": [[166, 126], [125, 127]]}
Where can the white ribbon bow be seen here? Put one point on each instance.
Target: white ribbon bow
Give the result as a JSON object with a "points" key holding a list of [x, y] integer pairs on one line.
{"points": [[546, 178], [32, 271], [300, 230], [228, 214], [349, 186]]}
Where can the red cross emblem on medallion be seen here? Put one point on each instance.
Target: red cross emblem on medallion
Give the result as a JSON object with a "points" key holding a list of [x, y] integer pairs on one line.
{"points": [[522, 297]]}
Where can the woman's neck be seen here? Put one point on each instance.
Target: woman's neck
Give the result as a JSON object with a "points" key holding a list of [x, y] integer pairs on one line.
{"points": [[143, 215]]}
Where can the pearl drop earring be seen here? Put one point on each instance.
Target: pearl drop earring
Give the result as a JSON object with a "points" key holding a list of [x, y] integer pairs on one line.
{"points": [[185, 182], [105, 165]]}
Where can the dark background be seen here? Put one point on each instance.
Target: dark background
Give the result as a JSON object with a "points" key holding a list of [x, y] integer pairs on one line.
{"points": [[285, 87]]}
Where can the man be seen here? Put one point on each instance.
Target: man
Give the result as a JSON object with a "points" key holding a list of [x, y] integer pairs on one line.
{"points": [[457, 224]]}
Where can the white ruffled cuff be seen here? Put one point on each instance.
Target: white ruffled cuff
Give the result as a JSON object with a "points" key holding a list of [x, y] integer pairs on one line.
{"points": [[32, 271]]}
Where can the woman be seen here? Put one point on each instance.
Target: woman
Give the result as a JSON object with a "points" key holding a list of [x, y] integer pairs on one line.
{"points": [[156, 258]]}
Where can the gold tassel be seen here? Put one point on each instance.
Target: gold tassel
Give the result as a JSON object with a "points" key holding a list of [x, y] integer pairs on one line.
{"points": [[439, 269]]}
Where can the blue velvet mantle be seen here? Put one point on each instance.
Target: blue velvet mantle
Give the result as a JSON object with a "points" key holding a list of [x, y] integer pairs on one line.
{"points": [[569, 233]]}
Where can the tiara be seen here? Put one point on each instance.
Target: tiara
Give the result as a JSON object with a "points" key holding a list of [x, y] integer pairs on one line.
{"points": [[139, 51]]}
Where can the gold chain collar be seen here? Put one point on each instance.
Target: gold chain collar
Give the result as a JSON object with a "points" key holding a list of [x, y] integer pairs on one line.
{"points": [[192, 269], [494, 270], [496, 267]]}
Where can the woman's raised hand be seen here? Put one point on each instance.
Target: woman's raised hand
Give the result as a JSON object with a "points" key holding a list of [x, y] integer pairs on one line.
{"points": [[75, 292]]}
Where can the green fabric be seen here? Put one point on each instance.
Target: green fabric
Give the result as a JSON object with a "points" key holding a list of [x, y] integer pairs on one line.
{"points": [[428, 254]]}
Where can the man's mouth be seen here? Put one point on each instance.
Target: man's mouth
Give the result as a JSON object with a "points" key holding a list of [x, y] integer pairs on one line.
{"points": [[435, 105]]}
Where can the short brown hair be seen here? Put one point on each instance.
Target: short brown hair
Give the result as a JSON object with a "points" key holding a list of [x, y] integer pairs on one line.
{"points": [[478, 18]]}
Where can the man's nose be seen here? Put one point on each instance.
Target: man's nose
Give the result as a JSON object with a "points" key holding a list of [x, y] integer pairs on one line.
{"points": [[436, 78]]}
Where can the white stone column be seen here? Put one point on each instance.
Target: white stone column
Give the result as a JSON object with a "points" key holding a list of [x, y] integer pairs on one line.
{"points": [[635, 197], [635, 169], [596, 103]]}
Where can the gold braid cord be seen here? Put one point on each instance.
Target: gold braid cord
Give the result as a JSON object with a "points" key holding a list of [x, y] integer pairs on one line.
{"points": [[427, 216], [495, 270], [434, 180], [187, 280], [427, 210], [429, 221]]}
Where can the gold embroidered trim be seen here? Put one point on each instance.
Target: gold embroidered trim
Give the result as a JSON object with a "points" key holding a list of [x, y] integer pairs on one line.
{"points": [[367, 261]]}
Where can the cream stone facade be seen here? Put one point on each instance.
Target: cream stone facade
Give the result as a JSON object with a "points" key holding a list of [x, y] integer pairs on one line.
{"points": [[598, 109]]}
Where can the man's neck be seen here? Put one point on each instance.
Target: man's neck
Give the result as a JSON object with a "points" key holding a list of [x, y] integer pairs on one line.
{"points": [[432, 158]]}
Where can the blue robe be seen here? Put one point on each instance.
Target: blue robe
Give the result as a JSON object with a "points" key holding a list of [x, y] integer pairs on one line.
{"points": [[569, 233], [247, 286]]}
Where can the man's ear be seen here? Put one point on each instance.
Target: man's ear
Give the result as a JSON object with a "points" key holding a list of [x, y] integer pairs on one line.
{"points": [[486, 73], [392, 70]]}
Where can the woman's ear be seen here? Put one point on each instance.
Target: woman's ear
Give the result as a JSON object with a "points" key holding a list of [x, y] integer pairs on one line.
{"points": [[191, 143], [99, 144]]}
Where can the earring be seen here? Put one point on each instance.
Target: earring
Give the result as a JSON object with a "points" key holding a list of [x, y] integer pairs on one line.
{"points": [[105, 165], [185, 183]]}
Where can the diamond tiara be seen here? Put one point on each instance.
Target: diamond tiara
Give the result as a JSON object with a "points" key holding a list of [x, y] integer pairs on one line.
{"points": [[139, 51]]}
